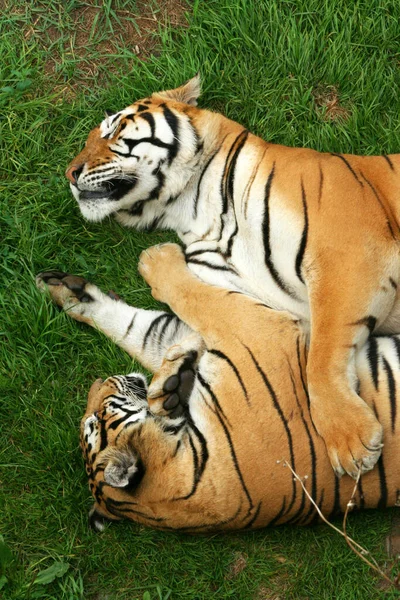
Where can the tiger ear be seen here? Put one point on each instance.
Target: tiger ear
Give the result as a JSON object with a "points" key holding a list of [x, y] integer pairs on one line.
{"points": [[187, 93], [120, 469]]}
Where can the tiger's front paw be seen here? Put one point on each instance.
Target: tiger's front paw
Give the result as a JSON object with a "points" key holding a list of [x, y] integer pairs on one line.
{"points": [[351, 432], [170, 389], [72, 293], [159, 266]]}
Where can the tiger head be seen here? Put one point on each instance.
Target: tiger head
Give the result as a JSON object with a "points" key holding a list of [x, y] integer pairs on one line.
{"points": [[129, 454], [140, 159], [115, 407]]}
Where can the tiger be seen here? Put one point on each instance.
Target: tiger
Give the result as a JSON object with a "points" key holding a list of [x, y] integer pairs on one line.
{"points": [[315, 234], [212, 443]]}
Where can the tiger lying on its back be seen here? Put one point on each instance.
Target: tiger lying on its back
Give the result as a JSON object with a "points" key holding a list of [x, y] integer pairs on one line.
{"points": [[210, 453], [315, 234]]}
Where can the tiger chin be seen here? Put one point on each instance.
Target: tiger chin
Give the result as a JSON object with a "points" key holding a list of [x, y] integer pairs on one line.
{"points": [[204, 446], [316, 234]]}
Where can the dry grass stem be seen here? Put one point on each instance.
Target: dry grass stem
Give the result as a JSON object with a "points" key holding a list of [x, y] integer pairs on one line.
{"points": [[353, 545]]}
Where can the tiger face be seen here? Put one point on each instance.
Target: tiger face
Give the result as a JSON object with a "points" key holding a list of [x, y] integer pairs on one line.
{"points": [[114, 407], [129, 453], [136, 157]]}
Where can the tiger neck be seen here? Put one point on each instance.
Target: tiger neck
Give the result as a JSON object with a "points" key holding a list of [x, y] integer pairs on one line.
{"points": [[205, 202]]}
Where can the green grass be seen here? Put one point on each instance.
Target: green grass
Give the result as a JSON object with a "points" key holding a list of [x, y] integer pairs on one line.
{"points": [[261, 62]]}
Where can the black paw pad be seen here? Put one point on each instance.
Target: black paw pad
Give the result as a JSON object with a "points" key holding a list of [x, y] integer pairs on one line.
{"points": [[73, 282], [179, 387], [52, 277]]}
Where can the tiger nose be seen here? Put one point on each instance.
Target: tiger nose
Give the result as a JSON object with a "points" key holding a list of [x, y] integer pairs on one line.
{"points": [[73, 172]]}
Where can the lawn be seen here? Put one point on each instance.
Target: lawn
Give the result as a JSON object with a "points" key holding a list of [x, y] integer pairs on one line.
{"points": [[319, 73]]}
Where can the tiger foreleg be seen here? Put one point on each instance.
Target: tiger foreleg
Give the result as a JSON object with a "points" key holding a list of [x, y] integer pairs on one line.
{"points": [[343, 316], [144, 334], [212, 312]]}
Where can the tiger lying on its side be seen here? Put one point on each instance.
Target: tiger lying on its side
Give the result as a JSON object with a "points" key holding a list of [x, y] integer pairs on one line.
{"points": [[209, 453], [315, 234]]}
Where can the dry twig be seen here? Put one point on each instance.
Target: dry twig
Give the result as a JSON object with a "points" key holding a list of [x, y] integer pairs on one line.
{"points": [[353, 545]]}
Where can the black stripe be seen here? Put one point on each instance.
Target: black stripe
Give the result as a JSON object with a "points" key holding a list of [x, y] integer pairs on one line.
{"points": [[128, 330], [381, 205], [265, 233], [155, 192], [316, 516], [230, 176], [115, 117], [114, 424], [382, 483], [369, 322], [346, 162], [247, 190], [393, 283], [207, 387], [213, 525], [230, 292], [98, 171], [282, 417], [373, 359], [361, 494], [396, 342], [199, 462], [132, 143], [103, 436], [196, 200], [254, 517], [234, 368], [210, 266], [150, 120], [311, 447], [195, 462], [392, 392], [321, 185], [219, 414], [168, 319], [336, 509], [303, 382], [173, 123], [173, 429], [153, 324], [109, 502], [231, 240], [281, 512], [296, 517], [228, 172], [154, 224], [189, 255], [389, 162], [227, 186], [303, 241], [178, 445]]}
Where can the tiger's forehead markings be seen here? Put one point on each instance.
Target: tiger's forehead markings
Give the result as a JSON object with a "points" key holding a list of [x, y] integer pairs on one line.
{"points": [[111, 123]]}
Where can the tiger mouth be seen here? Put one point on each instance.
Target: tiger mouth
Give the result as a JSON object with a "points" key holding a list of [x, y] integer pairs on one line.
{"points": [[115, 189]]}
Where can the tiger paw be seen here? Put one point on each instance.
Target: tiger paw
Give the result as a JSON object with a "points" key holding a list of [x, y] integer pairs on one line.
{"points": [[352, 435], [170, 389], [159, 265], [72, 293]]}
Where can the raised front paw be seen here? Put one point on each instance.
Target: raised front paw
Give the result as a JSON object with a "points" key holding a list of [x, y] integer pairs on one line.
{"points": [[74, 294], [170, 389], [159, 265], [351, 432]]}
